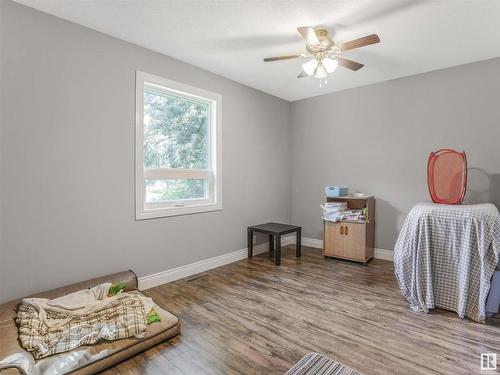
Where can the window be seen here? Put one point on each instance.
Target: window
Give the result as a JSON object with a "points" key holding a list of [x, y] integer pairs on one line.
{"points": [[178, 150]]}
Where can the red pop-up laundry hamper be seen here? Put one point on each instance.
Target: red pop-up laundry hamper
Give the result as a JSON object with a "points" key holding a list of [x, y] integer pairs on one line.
{"points": [[447, 176]]}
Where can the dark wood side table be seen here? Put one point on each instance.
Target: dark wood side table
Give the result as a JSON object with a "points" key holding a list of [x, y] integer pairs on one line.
{"points": [[275, 231]]}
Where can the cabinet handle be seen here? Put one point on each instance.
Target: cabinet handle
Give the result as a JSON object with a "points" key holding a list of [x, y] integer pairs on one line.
{"points": [[346, 230], [341, 229]]}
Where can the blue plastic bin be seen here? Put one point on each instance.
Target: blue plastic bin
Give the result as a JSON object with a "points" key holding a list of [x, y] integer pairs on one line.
{"points": [[336, 191]]}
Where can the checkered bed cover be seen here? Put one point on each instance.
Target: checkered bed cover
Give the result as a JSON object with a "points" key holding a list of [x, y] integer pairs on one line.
{"points": [[445, 257]]}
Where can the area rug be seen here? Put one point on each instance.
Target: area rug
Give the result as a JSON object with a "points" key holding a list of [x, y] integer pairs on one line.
{"points": [[317, 364]]}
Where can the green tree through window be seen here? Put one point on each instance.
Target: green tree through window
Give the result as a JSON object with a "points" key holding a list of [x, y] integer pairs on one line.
{"points": [[176, 135]]}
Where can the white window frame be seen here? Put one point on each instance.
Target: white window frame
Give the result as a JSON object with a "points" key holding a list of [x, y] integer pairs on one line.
{"points": [[145, 210]]}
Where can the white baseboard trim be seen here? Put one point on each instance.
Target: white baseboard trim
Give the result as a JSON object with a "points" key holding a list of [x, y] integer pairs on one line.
{"points": [[379, 253], [167, 276], [384, 254], [177, 273], [312, 242], [306, 241]]}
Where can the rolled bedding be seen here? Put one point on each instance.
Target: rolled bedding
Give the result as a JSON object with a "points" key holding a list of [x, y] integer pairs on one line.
{"points": [[48, 327]]}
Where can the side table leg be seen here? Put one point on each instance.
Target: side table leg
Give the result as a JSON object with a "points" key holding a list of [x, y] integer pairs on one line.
{"points": [[250, 243], [298, 245], [277, 250]]}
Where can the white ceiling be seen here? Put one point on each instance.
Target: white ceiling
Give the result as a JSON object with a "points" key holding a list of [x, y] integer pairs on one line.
{"points": [[230, 37]]}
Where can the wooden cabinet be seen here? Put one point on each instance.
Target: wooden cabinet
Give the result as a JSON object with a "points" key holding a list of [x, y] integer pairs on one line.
{"points": [[349, 239], [334, 239]]}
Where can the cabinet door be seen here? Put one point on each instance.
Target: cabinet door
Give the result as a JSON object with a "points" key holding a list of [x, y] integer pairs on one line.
{"points": [[354, 241], [334, 239]]}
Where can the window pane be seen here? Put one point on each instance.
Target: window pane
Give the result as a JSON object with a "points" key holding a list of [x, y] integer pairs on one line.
{"points": [[176, 131], [163, 190]]}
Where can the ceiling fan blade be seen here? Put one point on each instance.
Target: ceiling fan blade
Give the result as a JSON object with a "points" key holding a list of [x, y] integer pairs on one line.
{"points": [[267, 59], [361, 42], [302, 75], [349, 64], [309, 35]]}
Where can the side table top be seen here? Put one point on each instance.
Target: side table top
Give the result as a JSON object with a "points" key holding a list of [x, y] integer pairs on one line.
{"points": [[275, 228]]}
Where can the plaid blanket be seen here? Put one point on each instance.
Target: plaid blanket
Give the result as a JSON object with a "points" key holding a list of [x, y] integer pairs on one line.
{"points": [[45, 332], [445, 257]]}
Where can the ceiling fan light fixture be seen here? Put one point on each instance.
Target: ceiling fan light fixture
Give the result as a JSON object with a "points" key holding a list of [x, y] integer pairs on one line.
{"points": [[320, 72], [310, 66], [325, 52], [330, 64]]}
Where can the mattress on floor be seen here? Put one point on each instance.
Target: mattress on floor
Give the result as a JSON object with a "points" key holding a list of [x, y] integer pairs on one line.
{"points": [[85, 360]]}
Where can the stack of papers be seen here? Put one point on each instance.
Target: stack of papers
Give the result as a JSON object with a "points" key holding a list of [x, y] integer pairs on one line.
{"points": [[353, 215], [338, 211], [333, 211]]}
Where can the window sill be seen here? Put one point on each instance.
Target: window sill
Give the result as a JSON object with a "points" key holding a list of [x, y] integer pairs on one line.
{"points": [[151, 213]]}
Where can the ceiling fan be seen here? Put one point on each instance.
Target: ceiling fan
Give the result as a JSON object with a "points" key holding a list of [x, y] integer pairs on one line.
{"points": [[325, 52]]}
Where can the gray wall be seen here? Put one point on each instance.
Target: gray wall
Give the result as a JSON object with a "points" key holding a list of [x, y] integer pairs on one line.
{"points": [[68, 159], [377, 138], [67, 153], [2, 260]]}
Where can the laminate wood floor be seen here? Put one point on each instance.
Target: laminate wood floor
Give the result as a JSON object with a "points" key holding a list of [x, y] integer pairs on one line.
{"points": [[252, 317]]}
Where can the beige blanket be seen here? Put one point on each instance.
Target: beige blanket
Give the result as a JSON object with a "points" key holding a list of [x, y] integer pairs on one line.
{"points": [[47, 327]]}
